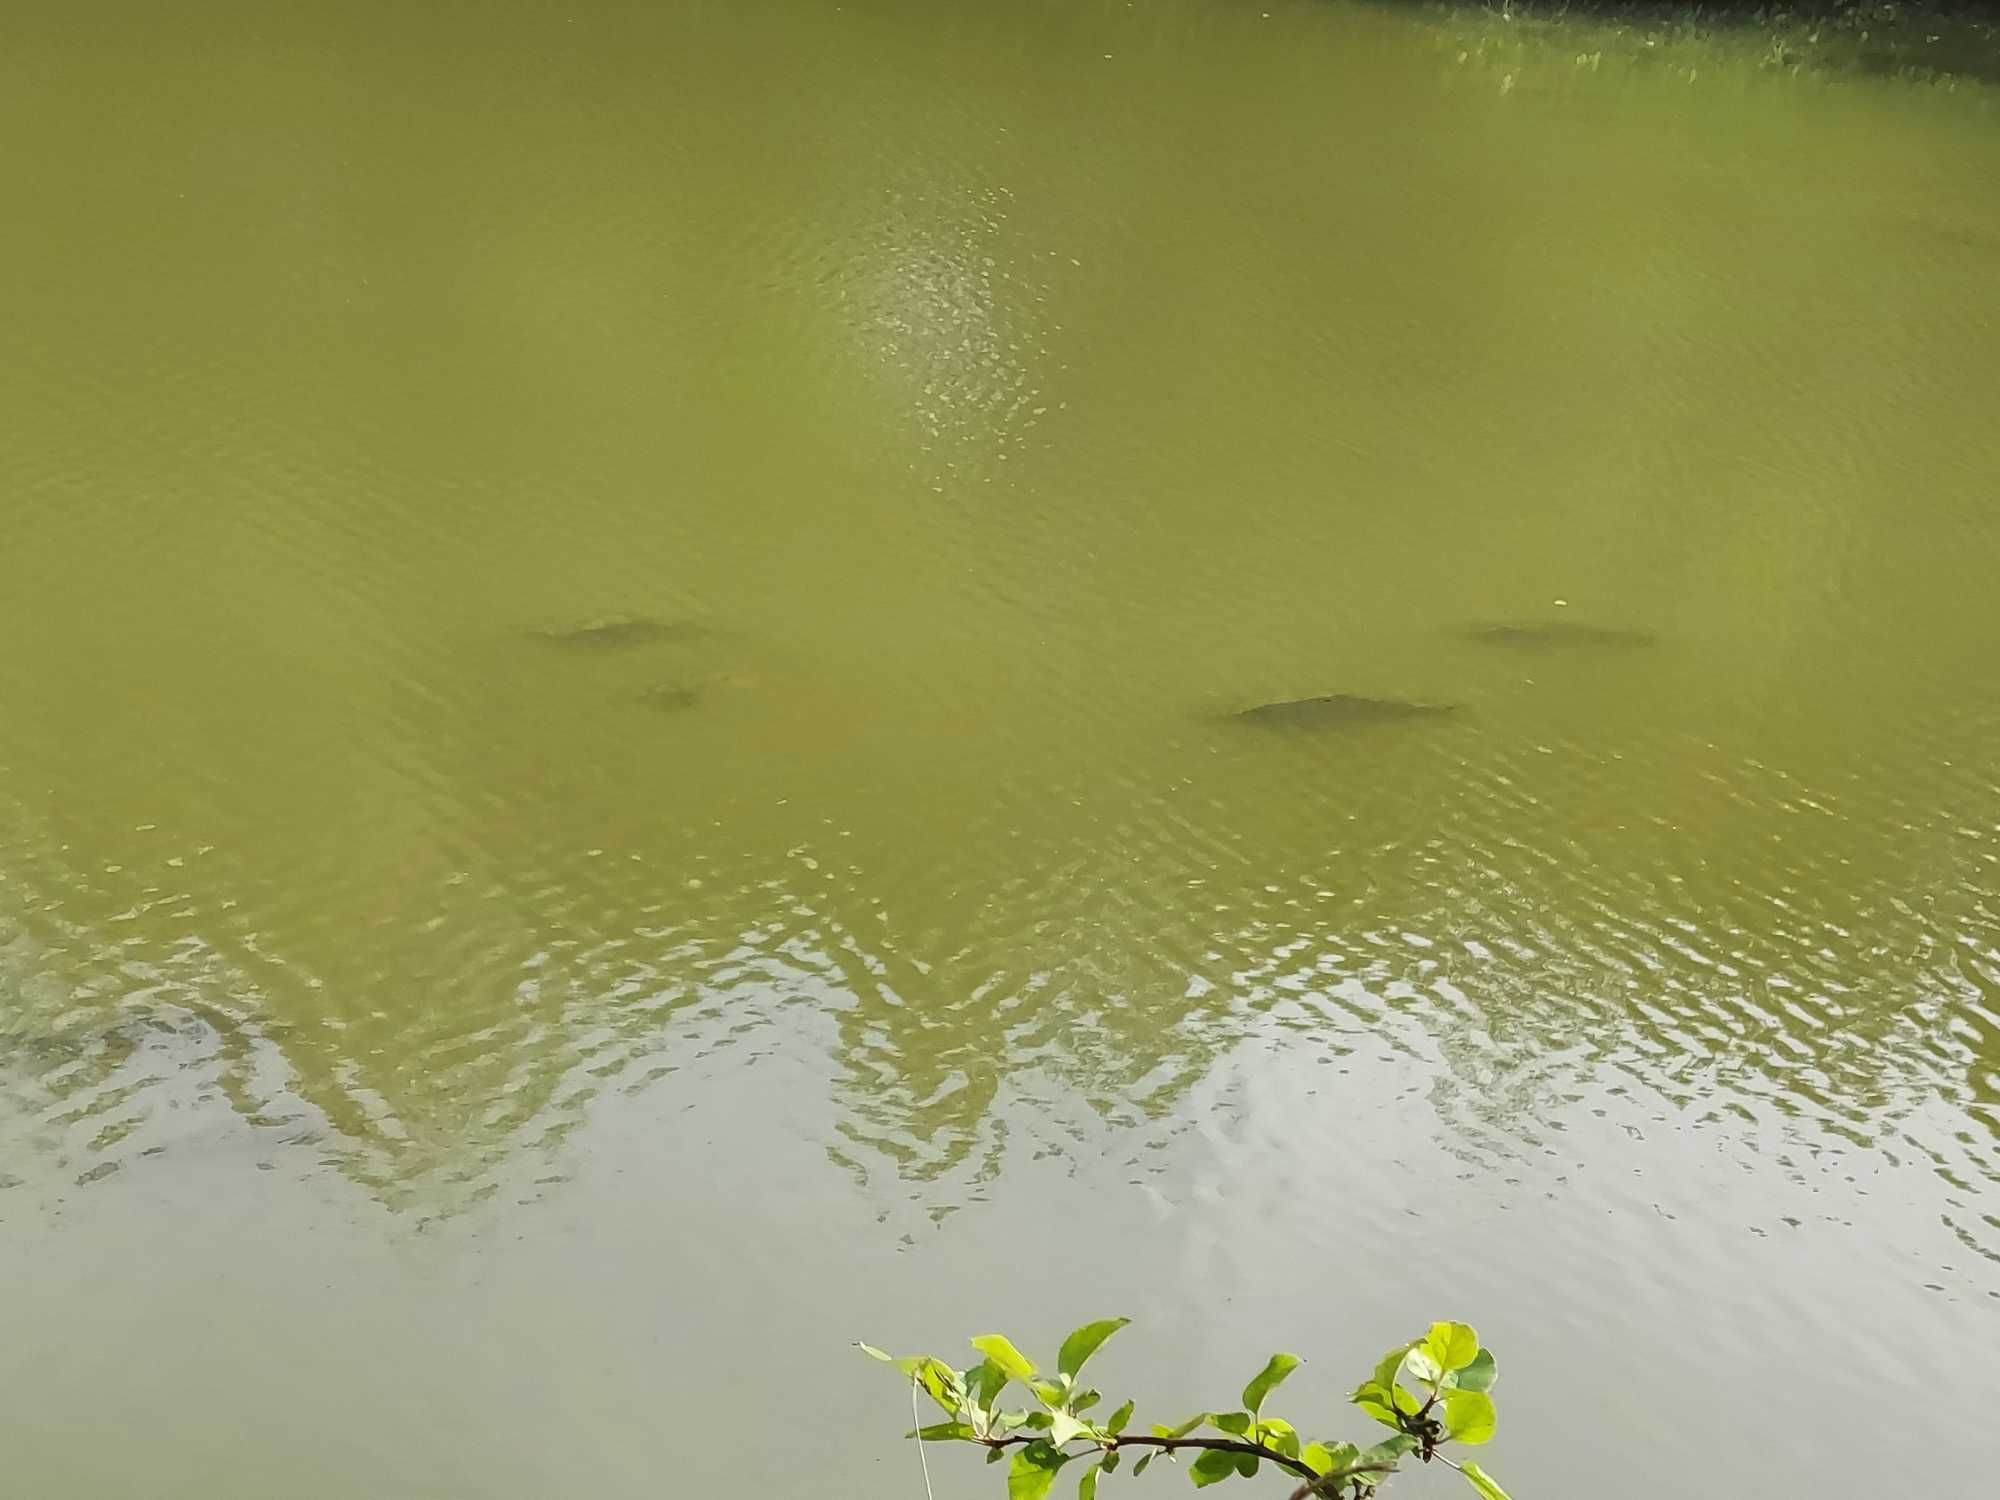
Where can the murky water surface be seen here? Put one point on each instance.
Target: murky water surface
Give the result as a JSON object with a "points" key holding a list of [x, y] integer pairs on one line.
{"points": [[623, 641]]}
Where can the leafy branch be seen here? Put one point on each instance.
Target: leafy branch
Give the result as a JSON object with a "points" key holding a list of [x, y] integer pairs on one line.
{"points": [[1446, 1400]]}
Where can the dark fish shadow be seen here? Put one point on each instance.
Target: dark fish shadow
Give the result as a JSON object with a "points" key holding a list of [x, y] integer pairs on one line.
{"points": [[1337, 711], [624, 632], [676, 697], [1553, 635]]}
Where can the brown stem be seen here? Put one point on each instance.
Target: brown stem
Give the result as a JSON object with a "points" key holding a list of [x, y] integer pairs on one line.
{"points": [[1217, 1445], [1318, 1487], [1313, 1482], [1169, 1445]]}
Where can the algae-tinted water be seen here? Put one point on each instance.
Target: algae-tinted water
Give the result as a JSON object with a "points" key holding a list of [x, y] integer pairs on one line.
{"points": [[437, 1063]]}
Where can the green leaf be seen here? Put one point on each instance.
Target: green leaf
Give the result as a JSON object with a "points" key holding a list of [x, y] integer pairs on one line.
{"points": [[941, 1383], [1452, 1345], [1117, 1420], [1269, 1379], [1382, 1403], [908, 1364], [1086, 1341], [1373, 1398], [984, 1382], [1139, 1464], [1246, 1465], [1235, 1423], [1049, 1392], [945, 1432], [1469, 1416], [1183, 1430], [1388, 1450], [1480, 1480], [1324, 1458], [1064, 1428], [1109, 1463], [1391, 1365], [998, 1348], [1422, 1367], [994, 1455], [1211, 1467], [1083, 1400], [1086, 1487], [1480, 1374], [1278, 1435], [1033, 1471]]}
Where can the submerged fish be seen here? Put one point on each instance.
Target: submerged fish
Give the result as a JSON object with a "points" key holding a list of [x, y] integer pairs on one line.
{"points": [[616, 631], [1534, 635], [676, 697], [1338, 711], [690, 690]]}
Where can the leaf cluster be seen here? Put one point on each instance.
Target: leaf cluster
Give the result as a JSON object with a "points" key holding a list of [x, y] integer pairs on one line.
{"points": [[1432, 1392]]}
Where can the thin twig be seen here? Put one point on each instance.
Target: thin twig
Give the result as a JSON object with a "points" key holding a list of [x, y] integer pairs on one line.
{"points": [[1339, 1477], [917, 1421], [1169, 1445], [1211, 1445]]}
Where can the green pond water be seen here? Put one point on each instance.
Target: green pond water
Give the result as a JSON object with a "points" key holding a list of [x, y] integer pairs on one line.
{"points": [[621, 632]]}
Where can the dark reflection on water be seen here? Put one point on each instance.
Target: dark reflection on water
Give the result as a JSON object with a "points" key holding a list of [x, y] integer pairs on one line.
{"points": [[1034, 985]]}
